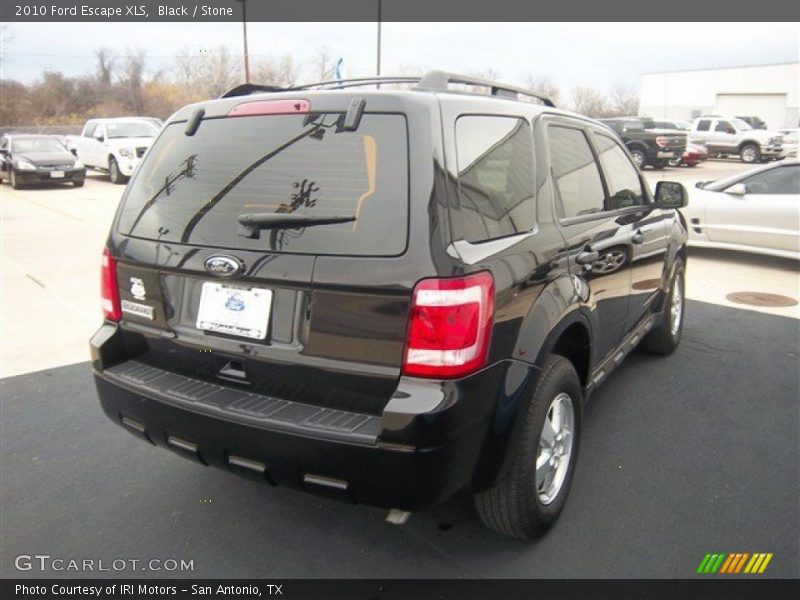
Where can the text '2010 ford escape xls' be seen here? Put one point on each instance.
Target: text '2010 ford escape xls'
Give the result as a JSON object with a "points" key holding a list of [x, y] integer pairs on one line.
{"points": [[385, 295]]}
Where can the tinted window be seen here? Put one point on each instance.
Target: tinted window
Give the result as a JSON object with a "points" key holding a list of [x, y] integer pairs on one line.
{"points": [[495, 176], [722, 126], [624, 185], [783, 180], [23, 145], [703, 125], [579, 190], [191, 189], [634, 125]]}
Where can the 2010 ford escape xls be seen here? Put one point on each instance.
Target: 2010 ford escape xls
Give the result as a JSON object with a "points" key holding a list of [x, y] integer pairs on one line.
{"points": [[385, 295]]}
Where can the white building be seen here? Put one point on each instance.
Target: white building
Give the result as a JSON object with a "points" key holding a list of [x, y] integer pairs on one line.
{"points": [[766, 91]]}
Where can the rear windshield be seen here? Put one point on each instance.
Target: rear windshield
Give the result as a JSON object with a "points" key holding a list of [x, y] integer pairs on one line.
{"points": [[191, 189]]}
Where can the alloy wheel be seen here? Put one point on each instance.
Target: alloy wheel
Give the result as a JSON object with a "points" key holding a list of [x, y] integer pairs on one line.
{"points": [[555, 448]]}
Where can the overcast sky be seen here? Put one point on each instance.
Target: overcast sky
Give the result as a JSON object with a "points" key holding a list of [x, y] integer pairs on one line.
{"points": [[594, 54]]}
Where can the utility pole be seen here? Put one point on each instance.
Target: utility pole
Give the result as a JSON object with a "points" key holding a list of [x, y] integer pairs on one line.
{"points": [[378, 69], [244, 36]]}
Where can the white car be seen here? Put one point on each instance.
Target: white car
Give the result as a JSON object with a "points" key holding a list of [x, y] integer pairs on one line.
{"points": [[756, 211], [114, 146]]}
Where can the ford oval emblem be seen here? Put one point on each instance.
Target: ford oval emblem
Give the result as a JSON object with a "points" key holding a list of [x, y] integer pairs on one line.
{"points": [[223, 266]]}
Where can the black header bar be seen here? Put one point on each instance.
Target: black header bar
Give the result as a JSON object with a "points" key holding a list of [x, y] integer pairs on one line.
{"points": [[394, 10]]}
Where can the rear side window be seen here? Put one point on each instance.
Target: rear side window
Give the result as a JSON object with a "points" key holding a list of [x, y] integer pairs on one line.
{"points": [[495, 176], [703, 125], [579, 189], [192, 189], [624, 185]]}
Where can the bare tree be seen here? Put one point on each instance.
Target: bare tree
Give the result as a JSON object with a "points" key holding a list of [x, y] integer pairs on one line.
{"points": [[588, 101], [624, 99], [132, 80], [105, 66], [323, 66], [281, 71], [542, 85], [207, 74]]}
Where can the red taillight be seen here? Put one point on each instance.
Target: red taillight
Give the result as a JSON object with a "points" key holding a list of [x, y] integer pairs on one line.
{"points": [[270, 107], [449, 326], [109, 291], [662, 142]]}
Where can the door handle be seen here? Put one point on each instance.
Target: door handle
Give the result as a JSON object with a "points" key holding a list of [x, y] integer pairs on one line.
{"points": [[638, 237], [587, 256]]}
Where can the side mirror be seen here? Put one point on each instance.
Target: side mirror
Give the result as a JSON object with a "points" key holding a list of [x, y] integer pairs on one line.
{"points": [[700, 185], [671, 194], [100, 138], [737, 189]]}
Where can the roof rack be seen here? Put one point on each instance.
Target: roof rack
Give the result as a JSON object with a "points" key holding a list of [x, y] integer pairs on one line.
{"points": [[435, 81], [440, 81]]}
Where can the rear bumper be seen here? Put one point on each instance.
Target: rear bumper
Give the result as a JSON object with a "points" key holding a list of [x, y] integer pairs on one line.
{"points": [[427, 445]]}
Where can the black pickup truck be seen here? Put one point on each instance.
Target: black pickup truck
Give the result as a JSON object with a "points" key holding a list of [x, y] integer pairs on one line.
{"points": [[648, 145]]}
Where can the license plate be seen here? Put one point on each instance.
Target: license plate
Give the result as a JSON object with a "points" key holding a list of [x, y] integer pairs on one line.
{"points": [[666, 154], [234, 310], [56, 174]]}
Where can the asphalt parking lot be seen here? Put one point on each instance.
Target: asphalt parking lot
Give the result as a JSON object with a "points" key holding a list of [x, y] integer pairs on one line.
{"points": [[681, 456]]}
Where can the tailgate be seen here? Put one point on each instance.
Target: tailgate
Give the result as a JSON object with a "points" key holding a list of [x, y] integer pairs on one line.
{"points": [[206, 298]]}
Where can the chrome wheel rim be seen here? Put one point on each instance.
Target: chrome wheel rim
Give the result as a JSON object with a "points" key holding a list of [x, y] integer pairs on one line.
{"points": [[638, 159], [609, 262], [748, 154], [555, 448], [676, 310]]}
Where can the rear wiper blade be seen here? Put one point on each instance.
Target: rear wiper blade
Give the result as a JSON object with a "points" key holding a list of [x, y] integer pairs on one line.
{"points": [[252, 223]]}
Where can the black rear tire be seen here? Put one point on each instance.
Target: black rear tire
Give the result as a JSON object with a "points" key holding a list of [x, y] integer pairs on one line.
{"points": [[114, 173], [639, 157], [750, 154], [78, 183], [665, 338], [14, 182], [513, 506]]}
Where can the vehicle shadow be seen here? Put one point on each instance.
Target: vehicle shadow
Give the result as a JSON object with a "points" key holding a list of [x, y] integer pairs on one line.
{"points": [[675, 453]]}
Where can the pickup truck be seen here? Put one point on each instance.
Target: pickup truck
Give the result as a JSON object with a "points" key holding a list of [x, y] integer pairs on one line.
{"points": [[648, 145], [731, 135], [114, 146]]}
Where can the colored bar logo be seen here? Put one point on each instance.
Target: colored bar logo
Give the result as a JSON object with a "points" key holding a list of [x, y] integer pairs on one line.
{"points": [[734, 563]]}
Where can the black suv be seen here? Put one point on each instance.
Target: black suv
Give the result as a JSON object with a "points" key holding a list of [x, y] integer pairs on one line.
{"points": [[647, 144], [384, 295]]}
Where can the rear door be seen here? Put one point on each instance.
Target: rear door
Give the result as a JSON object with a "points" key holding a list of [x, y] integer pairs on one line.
{"points": [[246, 304]]}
